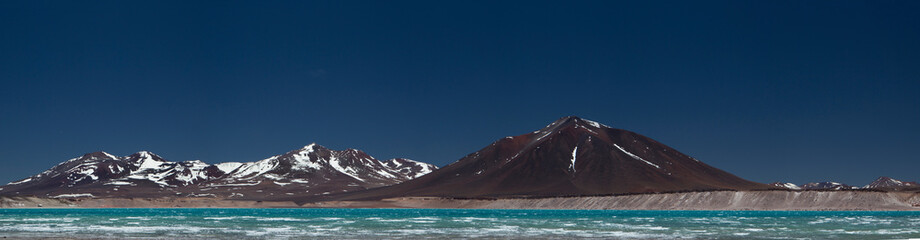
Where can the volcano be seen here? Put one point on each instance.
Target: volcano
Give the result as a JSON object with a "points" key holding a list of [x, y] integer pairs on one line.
{"points": [[887, 183], [569, 157]]}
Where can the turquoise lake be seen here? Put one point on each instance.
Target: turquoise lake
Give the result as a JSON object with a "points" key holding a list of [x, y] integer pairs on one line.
{"points": [[454, 223]]}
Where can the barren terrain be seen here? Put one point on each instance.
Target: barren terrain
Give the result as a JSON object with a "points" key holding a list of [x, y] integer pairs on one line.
{"points": [[716, 200]]}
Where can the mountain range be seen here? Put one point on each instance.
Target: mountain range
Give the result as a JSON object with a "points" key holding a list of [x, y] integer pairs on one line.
{"points": [[311, 170], [569, 157], [882, 183]]}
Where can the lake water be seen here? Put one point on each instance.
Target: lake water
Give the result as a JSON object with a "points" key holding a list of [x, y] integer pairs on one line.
{"points": [[454, 223]]}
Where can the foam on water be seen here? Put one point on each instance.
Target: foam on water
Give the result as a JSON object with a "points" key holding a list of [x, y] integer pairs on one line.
{"points": [[452, 223], [281, 219]]}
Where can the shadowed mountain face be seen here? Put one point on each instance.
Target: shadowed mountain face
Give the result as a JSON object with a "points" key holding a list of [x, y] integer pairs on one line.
{"points": [[571, 156], [311, 170]]}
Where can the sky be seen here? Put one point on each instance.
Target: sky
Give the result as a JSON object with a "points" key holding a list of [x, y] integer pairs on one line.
{"points": [[793, 91]]}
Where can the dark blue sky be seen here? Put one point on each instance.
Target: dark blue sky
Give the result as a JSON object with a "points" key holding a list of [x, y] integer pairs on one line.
{"points": [[769, 90]]}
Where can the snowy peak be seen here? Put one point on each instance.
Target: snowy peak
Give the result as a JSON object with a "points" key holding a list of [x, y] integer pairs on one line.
{"points": [[827, 186], [144, 155], [412, 169], [86, 169], [571, 137], [362, 167], [153, 168], [571, 122], [97, 156], [310, 170], [790, 186], [882, 183], [310, 146], [249, 170], [145, 160], [889, 183]]}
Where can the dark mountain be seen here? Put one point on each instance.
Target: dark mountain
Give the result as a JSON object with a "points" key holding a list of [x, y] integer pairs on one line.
{"points": [[311, 170], [887, 183], [571, 156]]}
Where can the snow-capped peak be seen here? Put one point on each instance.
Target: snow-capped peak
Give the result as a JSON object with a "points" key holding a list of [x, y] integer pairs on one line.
{"points": [[595, 124], [145, 153], [307, 167], [577, 121], [145, 160], [110, 156], [572, 122], [254, 169], [887, 182], [94, 156], [827, 186], [408, 167], [790, 186]]}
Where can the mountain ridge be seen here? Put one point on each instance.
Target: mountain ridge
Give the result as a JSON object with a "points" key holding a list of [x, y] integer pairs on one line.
{"points": [[881, 183], [568, 157], [311, 168]]}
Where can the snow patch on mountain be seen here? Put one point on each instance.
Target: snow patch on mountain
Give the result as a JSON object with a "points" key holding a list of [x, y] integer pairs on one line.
{"points": [[74, 195], [635, 157], [21, 181], [334, 162], [120, 183], [827, 186], [228, 167], [254, 169], [574, 153], [411, 168], [595, 124], [307, 167], [147, 161], [303, 161], [790, 186], [887, 182]]}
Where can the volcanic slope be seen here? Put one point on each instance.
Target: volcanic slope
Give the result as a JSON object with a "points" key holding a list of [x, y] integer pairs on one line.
{"points": [[569, 157]]}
